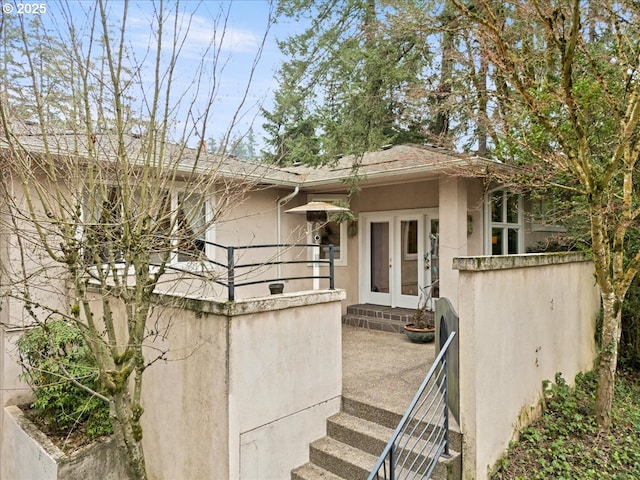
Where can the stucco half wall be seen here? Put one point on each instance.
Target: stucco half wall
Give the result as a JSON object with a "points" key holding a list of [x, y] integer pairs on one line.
{"points": [[246, 387], [522, 319]]}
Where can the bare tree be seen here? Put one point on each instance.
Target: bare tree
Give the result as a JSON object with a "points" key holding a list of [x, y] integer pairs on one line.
{"points": [[102, 194], [566, 106]]}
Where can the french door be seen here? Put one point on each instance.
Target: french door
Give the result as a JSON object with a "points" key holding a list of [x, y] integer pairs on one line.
{"points": [[396, 257]]}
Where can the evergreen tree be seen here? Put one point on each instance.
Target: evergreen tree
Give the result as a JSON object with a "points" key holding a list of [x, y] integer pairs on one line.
{"points": [[345, 85], [36, 62], [241, 146]]}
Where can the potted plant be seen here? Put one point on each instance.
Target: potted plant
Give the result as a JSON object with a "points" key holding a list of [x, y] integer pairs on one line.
{"points": [[421, 327]]}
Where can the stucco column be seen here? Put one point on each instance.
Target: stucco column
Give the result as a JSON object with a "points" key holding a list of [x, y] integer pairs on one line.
{"points": [[453, 233]]}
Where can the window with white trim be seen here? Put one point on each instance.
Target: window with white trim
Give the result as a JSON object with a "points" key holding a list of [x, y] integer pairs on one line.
{"points": [[191, 224], [505, 226], [330, 233], [190, 213]]}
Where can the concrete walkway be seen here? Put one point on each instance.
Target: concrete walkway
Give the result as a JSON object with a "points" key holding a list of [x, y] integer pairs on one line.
{"points": [[383, 369]]}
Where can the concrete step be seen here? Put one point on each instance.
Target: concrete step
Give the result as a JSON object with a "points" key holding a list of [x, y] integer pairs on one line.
{"points": [[390, 420], [370, 412], [368, 436], [355, 438], [309, 471], [341, 459], [372, 438]]}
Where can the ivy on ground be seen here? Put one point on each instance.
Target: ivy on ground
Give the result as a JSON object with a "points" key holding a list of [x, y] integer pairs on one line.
{"points": [[565, 443]]}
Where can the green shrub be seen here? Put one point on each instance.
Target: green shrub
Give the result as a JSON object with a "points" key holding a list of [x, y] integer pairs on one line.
{"points": [[49, 354], [566, 443]]}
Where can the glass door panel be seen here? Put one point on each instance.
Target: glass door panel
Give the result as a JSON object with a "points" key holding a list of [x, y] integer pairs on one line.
{"points": [[379, 257], [396, 257], [434, 252], [409, 257], [407, 260]]}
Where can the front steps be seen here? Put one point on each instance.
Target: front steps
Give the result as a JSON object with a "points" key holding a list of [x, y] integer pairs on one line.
{"points": [[355, 438], [376, 317]]}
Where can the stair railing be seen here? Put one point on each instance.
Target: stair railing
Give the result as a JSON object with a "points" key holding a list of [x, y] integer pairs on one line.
{"points": [[422, 436]]}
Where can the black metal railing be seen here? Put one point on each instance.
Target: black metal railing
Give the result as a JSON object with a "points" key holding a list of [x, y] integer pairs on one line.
{"points": [[234, 269], [422, 436]]}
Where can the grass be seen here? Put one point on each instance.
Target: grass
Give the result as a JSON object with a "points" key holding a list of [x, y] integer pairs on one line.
{"points": [[565, 443]]}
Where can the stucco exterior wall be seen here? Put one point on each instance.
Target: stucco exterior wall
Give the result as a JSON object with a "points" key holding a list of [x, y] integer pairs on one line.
{"points": [[285, 379], [234, 390], [185, 421], [402, 196], [251, 222], [13, 391], [22, 456], [522, 319], [22, 259], [456, 205], [255, 222], [245, 386]]}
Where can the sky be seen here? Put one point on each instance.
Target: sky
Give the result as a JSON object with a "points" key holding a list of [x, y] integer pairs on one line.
{"points": [[247, 25], [237, 44]]}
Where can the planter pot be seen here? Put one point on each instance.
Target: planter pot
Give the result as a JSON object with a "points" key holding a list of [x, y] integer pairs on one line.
{"points": [[419, 335], [276, 288]]}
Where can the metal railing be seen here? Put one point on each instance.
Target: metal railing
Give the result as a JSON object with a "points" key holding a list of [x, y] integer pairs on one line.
{"points": [[422, 436], [234, 269]]}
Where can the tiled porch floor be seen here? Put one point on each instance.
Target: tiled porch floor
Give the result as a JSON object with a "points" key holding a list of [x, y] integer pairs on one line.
{"points": [[377, 317]]}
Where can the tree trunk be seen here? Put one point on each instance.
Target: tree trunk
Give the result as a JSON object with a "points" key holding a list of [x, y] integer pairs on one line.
{"points": [[483, 110], [441, 127], [612, 315], [126, 426]]}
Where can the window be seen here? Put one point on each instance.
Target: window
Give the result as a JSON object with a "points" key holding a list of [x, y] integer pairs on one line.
{"points": [[330, 233], [505, 223], [191, 227], [409, 239], [103, 227], [544, 215], [179, 226], [188, 213]]}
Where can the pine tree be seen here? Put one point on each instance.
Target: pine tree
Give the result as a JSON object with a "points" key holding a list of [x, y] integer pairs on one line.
{"points": [[344, 87]]}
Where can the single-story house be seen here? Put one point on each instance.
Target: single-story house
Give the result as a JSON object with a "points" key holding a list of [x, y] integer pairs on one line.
{"points": [[418, 208]]}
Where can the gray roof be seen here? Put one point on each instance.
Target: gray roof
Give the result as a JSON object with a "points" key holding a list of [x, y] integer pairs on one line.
{"points": [[394, 164]]}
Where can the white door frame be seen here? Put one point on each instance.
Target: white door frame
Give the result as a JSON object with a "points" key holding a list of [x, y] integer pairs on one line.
{"points": [[394, 297]]}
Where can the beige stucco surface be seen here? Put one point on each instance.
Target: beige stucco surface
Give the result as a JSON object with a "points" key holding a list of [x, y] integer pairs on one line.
{"points": [[285, 375], [22, 457], [241, 382], [233, 390], [13, 391], [185, 397], [522, 319]]}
